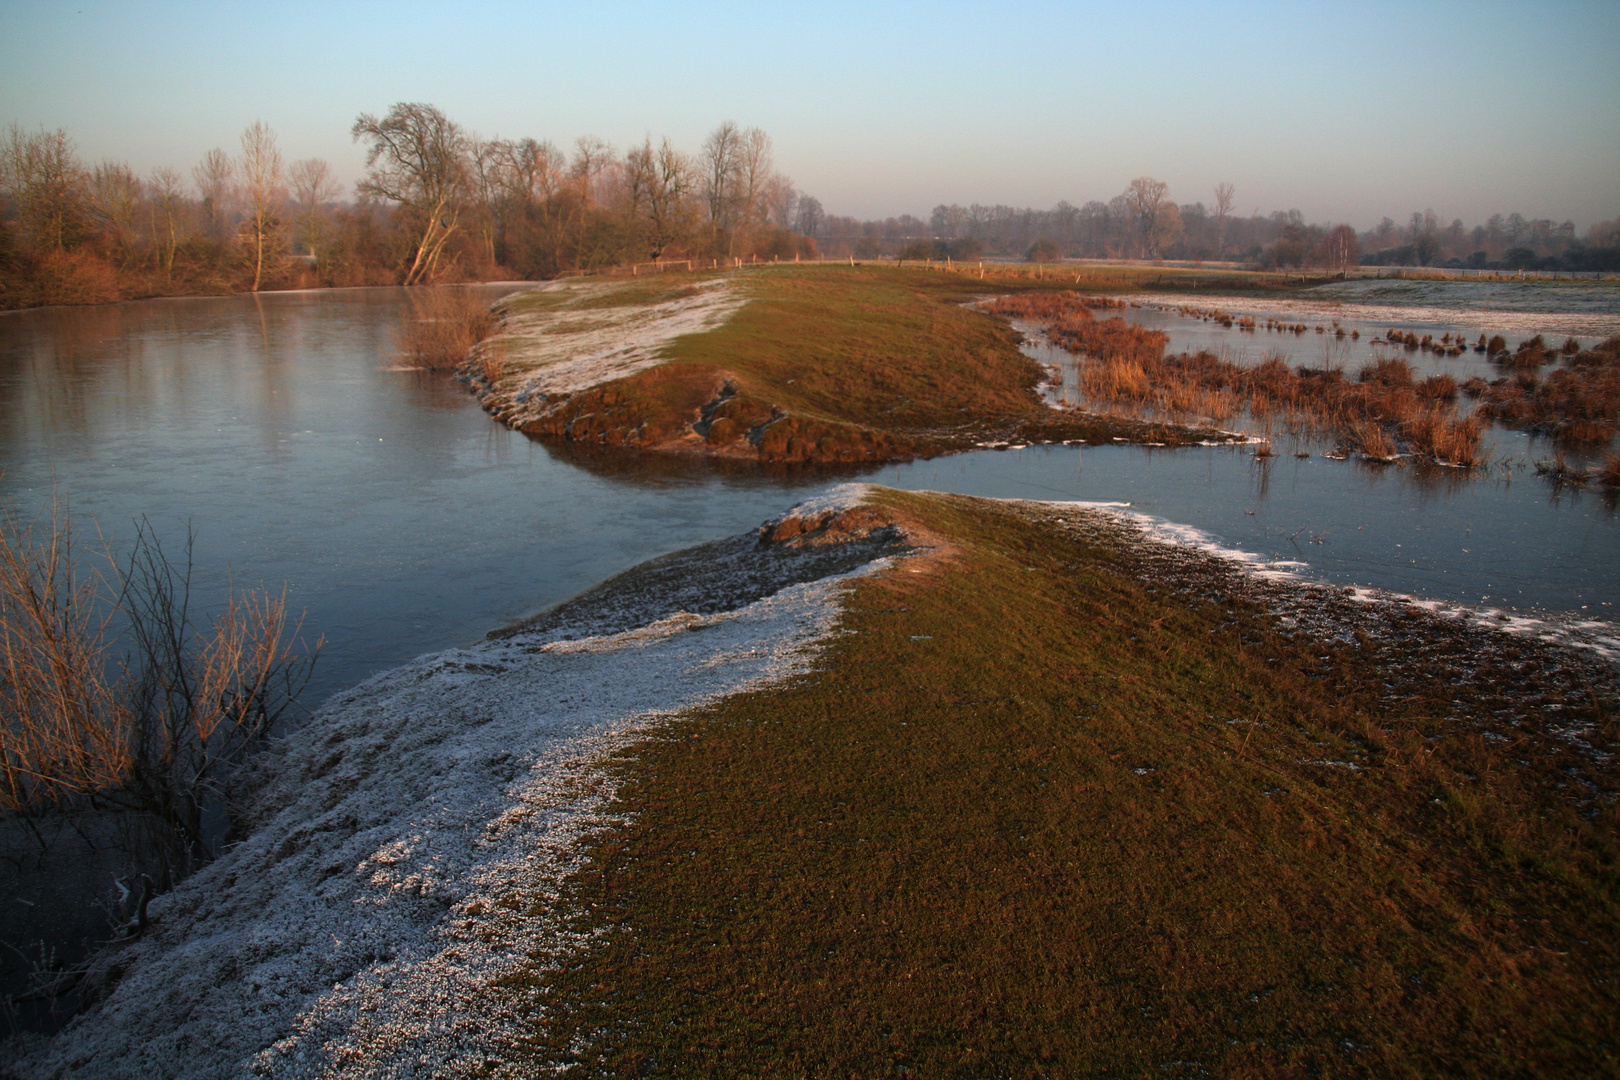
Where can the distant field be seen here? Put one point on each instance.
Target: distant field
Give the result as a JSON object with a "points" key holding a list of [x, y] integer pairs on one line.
{"points": [[1061, 803]]}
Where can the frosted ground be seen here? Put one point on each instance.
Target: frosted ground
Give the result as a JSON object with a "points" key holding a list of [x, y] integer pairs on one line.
{"points": [[405, 846], [408, 847], [550, 354]]}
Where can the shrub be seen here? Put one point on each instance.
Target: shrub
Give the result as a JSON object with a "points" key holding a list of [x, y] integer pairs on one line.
{"points": [[111, 695], [1044, 251], [445, 325]]}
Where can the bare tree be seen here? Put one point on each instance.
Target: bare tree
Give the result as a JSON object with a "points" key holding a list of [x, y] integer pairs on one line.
{"points": [[167, 202], [488, 162], [115, 200], [592, 156], [215, 177], [1224, 193], [754, 177], [1340, 249], [718, 161], [781, 197], [1155, 216], [809, 219], [313, 186], [264, 191], [42, 174], [417, 157], [660, 182]]}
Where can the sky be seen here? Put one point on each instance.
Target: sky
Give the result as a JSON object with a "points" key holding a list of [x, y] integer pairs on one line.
{"points": [[1347, 112]]}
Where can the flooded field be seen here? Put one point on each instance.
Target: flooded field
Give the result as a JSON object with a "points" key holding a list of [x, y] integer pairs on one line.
{"points": [[284, 431]]}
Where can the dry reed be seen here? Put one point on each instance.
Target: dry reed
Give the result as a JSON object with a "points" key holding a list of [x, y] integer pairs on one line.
{"points": [[148, 719], [1608, 474], [1125, 365], [444, 327]]}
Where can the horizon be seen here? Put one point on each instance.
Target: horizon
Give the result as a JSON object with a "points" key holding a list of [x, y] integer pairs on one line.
{"points": [[1346, 116]]}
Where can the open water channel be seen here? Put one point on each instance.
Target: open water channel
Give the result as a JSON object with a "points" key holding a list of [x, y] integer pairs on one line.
{"points": [[281, 429]]}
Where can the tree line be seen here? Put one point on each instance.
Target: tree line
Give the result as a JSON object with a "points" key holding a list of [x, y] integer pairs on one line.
{"points": [[1144, 222], [437, 203]]}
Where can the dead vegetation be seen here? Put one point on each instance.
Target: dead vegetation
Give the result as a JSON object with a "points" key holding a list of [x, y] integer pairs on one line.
{"points": [[1578, 403], [1379, 411], [113, 697], [445, 325]]}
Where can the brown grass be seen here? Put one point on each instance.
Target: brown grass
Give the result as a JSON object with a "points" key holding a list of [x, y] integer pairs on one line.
{"points": [[1066, 808], [1373, 441], [1578, 403], [151, 721], [1126, 365], [1608, 474], [445, 324], [1437, 432]]}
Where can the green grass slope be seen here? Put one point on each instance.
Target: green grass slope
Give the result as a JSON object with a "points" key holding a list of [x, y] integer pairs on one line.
{"points": [[1058, 804], [832, 364]]}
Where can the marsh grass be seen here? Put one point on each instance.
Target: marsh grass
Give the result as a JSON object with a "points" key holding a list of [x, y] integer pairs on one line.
{"points": [[1125, 365], [1578, 403], [1057, 805]]}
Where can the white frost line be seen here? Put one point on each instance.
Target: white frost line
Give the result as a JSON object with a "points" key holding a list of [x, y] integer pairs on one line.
{"points": [[412, 843], [1593, 635], [553, 354], [835, 500]]}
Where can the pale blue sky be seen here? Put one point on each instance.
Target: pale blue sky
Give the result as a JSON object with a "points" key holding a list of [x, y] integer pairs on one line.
{"points": [[1347, 111]]}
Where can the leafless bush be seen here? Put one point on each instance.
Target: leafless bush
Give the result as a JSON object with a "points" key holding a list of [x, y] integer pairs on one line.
{"points": [[111, 694], [444, 327]]}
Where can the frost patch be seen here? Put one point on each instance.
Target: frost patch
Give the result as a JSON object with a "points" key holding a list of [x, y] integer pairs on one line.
{"points": [[546, 357], [408, 850]]}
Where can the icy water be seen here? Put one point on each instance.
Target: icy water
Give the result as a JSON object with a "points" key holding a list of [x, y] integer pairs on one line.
{"points": [[403, 520], [1587, 312]]}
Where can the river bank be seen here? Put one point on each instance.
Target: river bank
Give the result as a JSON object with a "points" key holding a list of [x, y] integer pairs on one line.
{"points": [[780, 365], [1038, 787]]}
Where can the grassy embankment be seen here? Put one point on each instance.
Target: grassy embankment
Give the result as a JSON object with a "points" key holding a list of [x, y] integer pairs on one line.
{"points": [[824, 364], [1057, 805]]}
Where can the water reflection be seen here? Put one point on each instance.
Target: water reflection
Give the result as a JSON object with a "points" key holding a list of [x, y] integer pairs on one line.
{"points": [[283, 429]]}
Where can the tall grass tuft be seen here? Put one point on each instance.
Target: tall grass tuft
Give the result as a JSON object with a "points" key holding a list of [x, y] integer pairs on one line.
{"points": [[111, 693], [445, 325], [1437, 432], [1373, 441]]}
